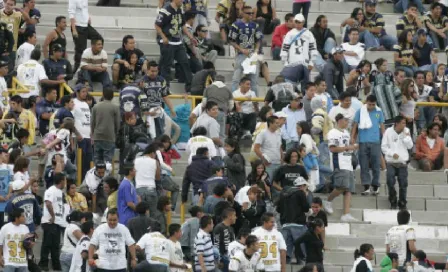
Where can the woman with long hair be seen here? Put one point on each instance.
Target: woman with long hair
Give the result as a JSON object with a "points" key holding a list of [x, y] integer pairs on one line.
{"points": [[235, 164], [312, 243], [258, 176], [110, 187], [356, 20], [442, 121], [20, 170], [363, 257], [256, 207], [408, 102], [403, 55], [325, 39], [266, 16], [360, 79]]}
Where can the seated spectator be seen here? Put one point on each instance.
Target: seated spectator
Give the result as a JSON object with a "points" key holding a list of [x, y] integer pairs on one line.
{"points": [[430, 149], [279, 94], [24, 51], [265, 16], [76, 200], [401, 6], [123, 57], [356, 20], [295, 113], [192, 52], [202, 79], [374, 36], [200, 8], [56, 36], [226, 14], [56, 66], [25, 118], [132, 73], [67, 104], [423, 91], [424, 54], [389, 262], [442, 121], [310, 92], [409, 21], [437, 25], [333, 72], [325, 39], [94, 65], [247, 108], [204, 49], [359, 78], [279, 33], [354, 51], [403, 55]]}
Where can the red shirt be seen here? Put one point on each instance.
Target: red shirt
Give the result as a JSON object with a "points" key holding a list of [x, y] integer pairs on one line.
{"points": [[279, 33], [170, 154]]}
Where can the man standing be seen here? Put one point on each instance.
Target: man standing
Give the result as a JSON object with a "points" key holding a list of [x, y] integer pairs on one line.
{"points": [[294, 114], [208, 120], [368, 127], [354, 51], [333, 72], [177, 263], [310, 93], [25, 118], [279, 33], [6, 41], [343, 177], [122, 56], [127, 196], [249, 258], [344, 107], [33, 17], [223, 235], [65, 111], [395, 145], [78, 11], [24, 51], [44, 109], [299, 52], [56, 36], [156, 247], [52, 223], [401, 239], [105, 123], [248, 108], [204, 259], [272, 245], [245, 37], [110, 241], [169, 26], [94, 64], [4, 94]]}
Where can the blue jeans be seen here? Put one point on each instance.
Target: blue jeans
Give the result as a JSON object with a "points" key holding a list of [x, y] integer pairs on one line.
{"points": [[10, 268], [369, 156], [402, 176], [291, 232], [409, 70], [225, 260], [324, 164], [66, 261], [276, 53], [87, 155], [372, 41], [330, 43], [438, 41], [150, 196], [347, 68], [428, 67], [238, 74], [103, 151], [297, 74], [221, 119], [291, 144], [271, 170], [402, 5], [102, 77]]}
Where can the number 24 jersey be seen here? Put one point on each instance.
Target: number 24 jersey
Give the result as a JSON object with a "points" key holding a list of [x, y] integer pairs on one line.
{"points": [[271, 242]]}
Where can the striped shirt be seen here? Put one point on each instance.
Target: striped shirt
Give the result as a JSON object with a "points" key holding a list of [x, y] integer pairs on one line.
{"points": [[203, 245], [98, 60]]}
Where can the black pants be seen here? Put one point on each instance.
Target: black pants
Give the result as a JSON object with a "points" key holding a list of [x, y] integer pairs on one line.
{"points": [[250, 121], [84, 34], [303, 8], [169, 53], [50, 245]]}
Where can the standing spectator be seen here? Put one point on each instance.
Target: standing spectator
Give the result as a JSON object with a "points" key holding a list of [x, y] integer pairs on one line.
{"points": [[80, 110], [123, 54], [204, 259], [92, 187], [301, 7], [265, 16], [208, 185], [395, 144], [94, 64], [268, 146], [333, 72], [148, 173], [24, 51], [430, 149], [299, 52], [409, 21], [407, 108], [367, 128], [310, 92], [142, 223], [44, 109], [401, 239], [312, 242], [375, 35], [32, 19], [175, 248], [104, 126], [53, 223], [57, 67], [193, 61], [354, 51], [56, 36], [403, 55], [279, 33], [170, 25], [437, 25], [71, 237], [247, 256], [82, 30], [110, 187], [198, 140], [279, 94], [286, 174], [223, 235], [344, 107], [208, 120], [274, 260], [80, 259], [235, 164], [325, 39], [25, 118], [294, 114], [248, 108], [423, 91], [6, 41], [343, 178], [190, 229], [425, 57], [163, 207], [110, 241], [245, 37], [363, 257], [219, 93], [156, 248]]}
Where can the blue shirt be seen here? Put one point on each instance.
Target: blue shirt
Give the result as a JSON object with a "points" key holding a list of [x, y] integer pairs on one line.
{"points": [[44, 106], [29, 204], [60, 116], [53, 68], [371, 135], [5, 179], [126, 193]]}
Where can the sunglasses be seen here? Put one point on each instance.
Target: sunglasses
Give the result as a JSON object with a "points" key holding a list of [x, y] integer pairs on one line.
{"points": [[249, 13], [298, 22]]}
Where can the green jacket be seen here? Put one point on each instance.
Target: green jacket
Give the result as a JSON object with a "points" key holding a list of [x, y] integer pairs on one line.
{"points": [[386, 264]]}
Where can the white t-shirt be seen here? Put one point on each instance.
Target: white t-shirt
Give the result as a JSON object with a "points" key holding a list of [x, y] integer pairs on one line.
{"points": [[156, 248], [197, 110], [4, 95], [200, 141], [176, 255], [240, 263], [358, 48], [68, 247], [270, 143], [11, 238], [30, 74], [271, 242], [24, 53], [246, 106], [397, 238], [234, 248], [54, 195], [23, 177], [62, 147], [241, 196], [348, 113], [92, 180], [77, 260], [430, 142], [146, 172], [81, 113], [111, 245], [343, 160]]}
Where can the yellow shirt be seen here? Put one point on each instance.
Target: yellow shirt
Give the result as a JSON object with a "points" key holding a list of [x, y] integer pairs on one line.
{"points": [[112, 200], [13, 22], [78, 202], [26, 120]]}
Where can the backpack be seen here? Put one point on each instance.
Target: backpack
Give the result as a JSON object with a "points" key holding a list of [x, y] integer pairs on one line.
{"points": [[132, 99]]}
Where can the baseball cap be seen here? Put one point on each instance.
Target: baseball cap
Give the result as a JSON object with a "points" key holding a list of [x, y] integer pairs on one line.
{"points": [[57, 47], [100, 165], [299, 17], [338, 117], [296, 96], [80, 86], [3, 63], [300, 181], [337, 49], [421, 31], [370, 2], [280, 114], [18, 184]]}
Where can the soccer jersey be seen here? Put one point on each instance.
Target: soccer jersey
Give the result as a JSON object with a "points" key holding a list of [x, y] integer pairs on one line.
{"points": [[4, 95], [243, 263], [246, 35], [11, 238], [81, 113], [29, 204], [78, 263], [156, 248], [23, 176], [55, 196], [93, 181], [200, 141], [62, 147], [30, 74], [171, 21], [235, 247], [13, 21], [397, 238], [340, 160], [176, 255], [24, 53], [271, 242]]}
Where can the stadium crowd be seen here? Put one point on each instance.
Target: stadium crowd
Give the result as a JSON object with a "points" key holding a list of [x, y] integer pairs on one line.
{"points": [[302, 143]]}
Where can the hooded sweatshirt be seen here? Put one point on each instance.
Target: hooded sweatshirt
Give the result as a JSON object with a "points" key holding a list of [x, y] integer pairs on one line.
{"points": [[199, 170], [386, 264]]}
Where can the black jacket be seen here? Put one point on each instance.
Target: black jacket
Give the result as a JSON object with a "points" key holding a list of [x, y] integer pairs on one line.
{"points": [[333, 74], [236, 169], [254, 212], [293, 197], [321, 37], [313, 245], [6, 39], [199, 170]]}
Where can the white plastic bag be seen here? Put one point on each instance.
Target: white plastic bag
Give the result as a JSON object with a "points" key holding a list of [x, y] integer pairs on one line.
{"points": [[250, 65]]}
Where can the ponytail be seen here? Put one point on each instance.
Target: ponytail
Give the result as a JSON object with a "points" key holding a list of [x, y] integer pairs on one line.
{"points": [[312, 225], [362, 250], [74, 216]]}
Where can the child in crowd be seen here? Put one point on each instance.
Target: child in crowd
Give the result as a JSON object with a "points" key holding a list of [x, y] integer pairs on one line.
{"points": [[311, 165], [317, 212]]}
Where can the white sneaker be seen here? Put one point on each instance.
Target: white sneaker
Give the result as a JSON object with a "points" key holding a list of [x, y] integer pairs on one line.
{"points": [[348, 218], [328, 207], [366, 192], [376, 192]]}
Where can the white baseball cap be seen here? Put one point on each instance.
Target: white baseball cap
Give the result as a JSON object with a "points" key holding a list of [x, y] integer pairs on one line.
{"points": [[300, 181], [299, 17], [18, 184], [280, 114]]}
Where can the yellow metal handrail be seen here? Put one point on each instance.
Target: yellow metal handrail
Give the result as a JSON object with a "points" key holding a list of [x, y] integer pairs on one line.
{"points": [[17, 87], [64, 87]]}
